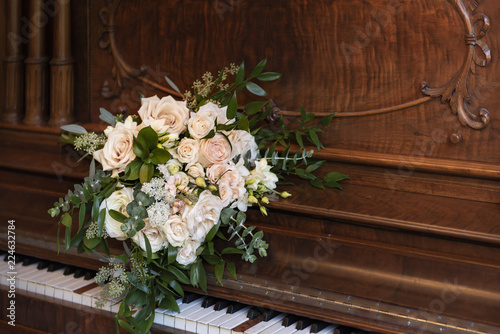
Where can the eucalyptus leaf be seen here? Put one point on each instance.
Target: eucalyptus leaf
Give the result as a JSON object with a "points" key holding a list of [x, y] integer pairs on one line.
{"points": [[172, 84], [107, 117], [74, 128]]}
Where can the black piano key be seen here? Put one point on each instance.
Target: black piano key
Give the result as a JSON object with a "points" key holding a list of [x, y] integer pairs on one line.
{"points": [[234, 307], [343, 330], [190, 297], [289, 320], [43, 264], [269, 314], [69, 270], [29, 260], [303, 323], [318, 326], [54, 266], [89, 274], [221, 304], [254, 312], [208, 301], [79, 272]]}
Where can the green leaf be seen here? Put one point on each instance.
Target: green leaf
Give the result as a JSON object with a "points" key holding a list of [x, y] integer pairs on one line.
{"points": [[269, 76], [149, 252], [213, 231], [317, 183], [254, 107], [240, 75], [303, 113], [171, 254], [100, 221], [334, 184], [116, 215], [315, 139], [77, 238], [91, 243], [146, 172], [132, 170], [243, 124], [314, 166], [219, 271], [66, 220], [232, 269], [148, 138], [177, 287], [255, 89], [81, 215], [140, 150], [232, 107], [226, 214], [325, 120], [67, 238], [202, 276], [74, 128], [232, 250], [181, 277], [259, 68], [126, 326], [169, 302], [160, 156], [335, 177]]}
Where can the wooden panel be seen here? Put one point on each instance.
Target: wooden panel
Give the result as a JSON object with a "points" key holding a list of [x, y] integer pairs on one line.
{"points": [[336, 56]]}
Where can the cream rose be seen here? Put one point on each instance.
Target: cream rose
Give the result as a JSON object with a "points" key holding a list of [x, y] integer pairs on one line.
{"points": [[204, 215], [155, 238], [200, 124], [225, 193], [195, 170], [215, 150], [187, 254], [173, 113], [118, 151], [215, 172], [187, 151], [175, 230], [117, 201]]}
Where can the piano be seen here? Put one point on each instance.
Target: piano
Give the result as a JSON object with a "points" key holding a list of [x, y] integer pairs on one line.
{"points": [[410, 245]]}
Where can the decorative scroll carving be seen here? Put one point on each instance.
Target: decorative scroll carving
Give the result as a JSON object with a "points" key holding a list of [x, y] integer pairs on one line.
{"points": [[121, 71], [456, 91]]}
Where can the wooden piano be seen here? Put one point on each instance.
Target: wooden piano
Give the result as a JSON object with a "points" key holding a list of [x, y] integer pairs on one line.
{"points": [[412, 243]]}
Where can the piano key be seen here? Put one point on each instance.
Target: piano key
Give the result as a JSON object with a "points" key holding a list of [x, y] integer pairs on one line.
{"points": [[272, 329], [263, 325], [328, 330], [303, 323], [289, 320], [192, 320], [87, 296], [318, 326], [185, 309], [214, 326], [239, 318], [203, 323]]}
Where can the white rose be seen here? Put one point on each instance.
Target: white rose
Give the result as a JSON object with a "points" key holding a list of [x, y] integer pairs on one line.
{"points": [[118, 151], [155, 238], [187, 151], [200, 125], [204, 215], [187, 254], [175, 230], [243, 142], [262, 174], [225, 193], [216, 112], [117, 201], [158, 125], [195, 170], [215, 172], [235, 180], [174, 114], [216, 150]]}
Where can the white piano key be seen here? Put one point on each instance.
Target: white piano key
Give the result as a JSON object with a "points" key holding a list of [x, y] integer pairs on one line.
{"points": [[239, 318], [192, 320], [272, 329], [328, 330], [41, 281], [263, 325], [169, 315], [287, 330], [203, 323], [87, 296], [214, 326], [306, 330], [180, 318]]}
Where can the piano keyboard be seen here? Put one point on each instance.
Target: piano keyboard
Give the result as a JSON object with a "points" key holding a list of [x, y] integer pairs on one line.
{"points": [[198, 314]]}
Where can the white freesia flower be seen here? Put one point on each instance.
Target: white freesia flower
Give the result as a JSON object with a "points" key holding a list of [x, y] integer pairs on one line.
{"points": [[204, 215], [175, 230], [243, 142], [262, 175], [187, 254], [217, 113], [215, 150], [118, 151], [188, 151], [117, 201], [154, 235]]}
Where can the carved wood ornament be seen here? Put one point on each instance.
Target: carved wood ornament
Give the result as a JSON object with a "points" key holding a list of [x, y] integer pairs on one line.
{"points": [[456, 91]]}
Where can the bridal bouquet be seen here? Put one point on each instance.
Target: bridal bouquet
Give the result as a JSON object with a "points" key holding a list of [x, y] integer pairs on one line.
{"points": [[174, 178]]}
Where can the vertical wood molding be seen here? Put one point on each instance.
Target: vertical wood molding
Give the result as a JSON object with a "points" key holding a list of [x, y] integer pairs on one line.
{"points": [[13, 63], [62, 75], [36, 69]]}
